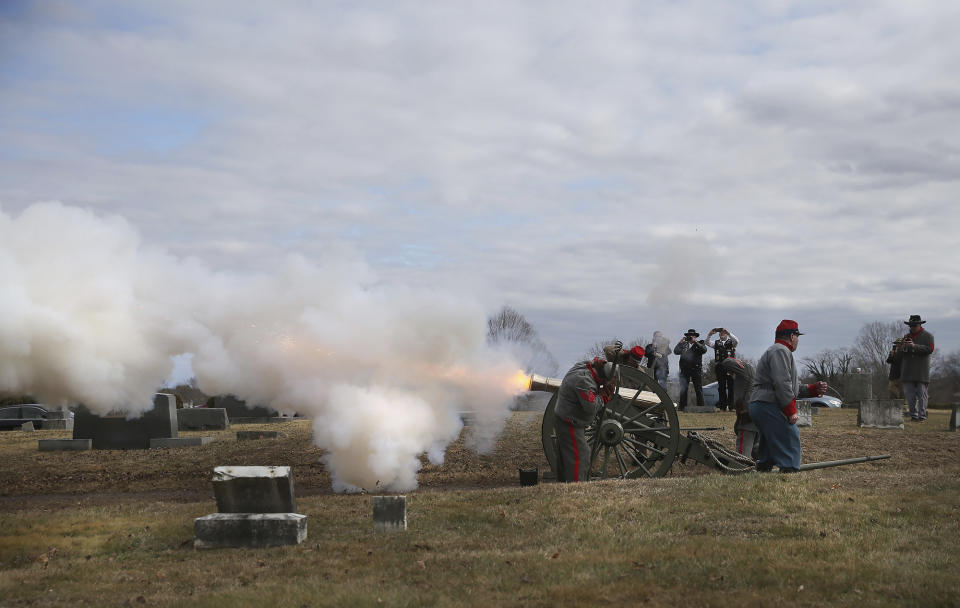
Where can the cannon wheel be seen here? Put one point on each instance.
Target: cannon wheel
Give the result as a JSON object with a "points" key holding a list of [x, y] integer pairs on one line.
{"points": [[629, 438]]}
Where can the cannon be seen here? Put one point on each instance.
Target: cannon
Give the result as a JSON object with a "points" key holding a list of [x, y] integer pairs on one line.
{"points": [[637, 433]]}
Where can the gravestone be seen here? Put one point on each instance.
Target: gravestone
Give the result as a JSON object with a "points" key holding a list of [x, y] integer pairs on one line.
{"points": [[253, 435], [239, 411], [56, 445], [27, 426], [389, 513], [881, 414], [202, 419], [240, 489], [955, 418], [255, 507], [58, 419], [804, 413], [179, 442], [226, 530], [116, 432], [856, 387]]}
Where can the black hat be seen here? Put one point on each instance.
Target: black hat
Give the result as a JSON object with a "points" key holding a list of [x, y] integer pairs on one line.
{"points": [[692, 332], [914, 320]]}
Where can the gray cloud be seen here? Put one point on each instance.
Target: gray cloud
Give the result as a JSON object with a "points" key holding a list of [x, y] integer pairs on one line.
{"points": [[546, 157]]}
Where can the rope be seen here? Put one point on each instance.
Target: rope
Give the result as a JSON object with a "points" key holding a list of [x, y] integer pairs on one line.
{"points": [[714, 447]]}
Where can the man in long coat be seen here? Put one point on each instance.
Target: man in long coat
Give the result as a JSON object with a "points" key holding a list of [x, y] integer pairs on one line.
{"points": [[916, 348]]}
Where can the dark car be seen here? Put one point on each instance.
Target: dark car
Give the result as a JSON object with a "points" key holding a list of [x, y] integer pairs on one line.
{"points": [[14, 416]]}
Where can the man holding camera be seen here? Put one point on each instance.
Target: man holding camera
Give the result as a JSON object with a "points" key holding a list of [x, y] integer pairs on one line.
{"points": [[691, 353], [894, 385], [724, 347], [916, 348]]}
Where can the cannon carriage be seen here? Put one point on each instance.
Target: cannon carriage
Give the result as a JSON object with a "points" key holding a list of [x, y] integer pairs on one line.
{"points": [[637, 433]]}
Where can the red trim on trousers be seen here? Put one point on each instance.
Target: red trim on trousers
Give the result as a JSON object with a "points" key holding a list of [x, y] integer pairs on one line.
{"points": [[576, 451]]}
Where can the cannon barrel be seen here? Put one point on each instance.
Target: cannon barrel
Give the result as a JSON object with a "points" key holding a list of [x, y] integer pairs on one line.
{"points": [[839, 463], [552, 385], [543, 383]]}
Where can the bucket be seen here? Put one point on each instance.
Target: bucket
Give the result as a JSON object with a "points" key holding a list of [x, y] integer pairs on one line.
{"points": [[528, 477]]}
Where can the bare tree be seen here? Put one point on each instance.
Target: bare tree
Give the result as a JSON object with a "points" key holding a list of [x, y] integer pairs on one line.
{"points": [[945, 377], [510, 327], [871, 348], [596, 349], [873, 343], [187, 393], [829, 365]]}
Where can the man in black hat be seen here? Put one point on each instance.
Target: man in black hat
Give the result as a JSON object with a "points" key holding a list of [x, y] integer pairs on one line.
{"points": [[691, 353], [916, 348]]}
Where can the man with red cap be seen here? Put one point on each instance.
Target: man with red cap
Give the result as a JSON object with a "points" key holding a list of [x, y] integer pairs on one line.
{"points": [[584, 390], [632, 356], [773, 405]]}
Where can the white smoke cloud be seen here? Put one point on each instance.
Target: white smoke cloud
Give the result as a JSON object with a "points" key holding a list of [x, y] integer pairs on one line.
{"points": [[89, 313]]}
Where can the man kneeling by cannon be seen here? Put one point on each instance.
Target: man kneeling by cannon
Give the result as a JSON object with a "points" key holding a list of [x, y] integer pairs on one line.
{"points": [[586, 388]]}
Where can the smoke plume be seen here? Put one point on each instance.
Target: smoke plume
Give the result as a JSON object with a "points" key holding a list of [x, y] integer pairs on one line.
{"points": [[91, 314]]}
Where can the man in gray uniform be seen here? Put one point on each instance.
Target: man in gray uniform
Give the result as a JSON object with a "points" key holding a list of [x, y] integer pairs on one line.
{"points": [[584, 390], [773, 403], [916, 348]]}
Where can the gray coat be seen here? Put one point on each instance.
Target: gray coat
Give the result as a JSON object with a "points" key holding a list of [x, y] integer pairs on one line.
{"points": [[915, 364], [775, 380], [578, 398]]}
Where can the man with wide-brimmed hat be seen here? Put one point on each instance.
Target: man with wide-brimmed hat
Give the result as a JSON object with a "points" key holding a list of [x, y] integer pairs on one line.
{"points": [[916, 348], [691, 353], [773, 404]]}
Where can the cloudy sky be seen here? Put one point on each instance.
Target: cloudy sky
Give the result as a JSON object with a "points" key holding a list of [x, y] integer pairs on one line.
{"points": [[607, 169]]}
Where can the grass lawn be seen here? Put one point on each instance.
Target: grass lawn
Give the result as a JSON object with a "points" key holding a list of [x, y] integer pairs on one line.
{"points": [[106, 528]]}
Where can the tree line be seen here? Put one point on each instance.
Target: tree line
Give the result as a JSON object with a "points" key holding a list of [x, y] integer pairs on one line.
{"points": [[868, 354]]}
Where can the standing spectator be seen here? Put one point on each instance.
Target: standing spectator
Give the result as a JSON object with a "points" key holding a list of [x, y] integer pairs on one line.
{"points": [[917, 346], [895, 358], [583, 391], [773, 405], [691, 353], [657, 352], [724, 347]]}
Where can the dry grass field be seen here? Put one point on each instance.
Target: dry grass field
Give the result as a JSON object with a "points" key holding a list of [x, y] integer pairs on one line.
{"points": [[114, 528]]}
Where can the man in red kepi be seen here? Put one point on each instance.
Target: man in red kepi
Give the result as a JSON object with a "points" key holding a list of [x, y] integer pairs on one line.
{"points": [[584, 390], [773, 405]]}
